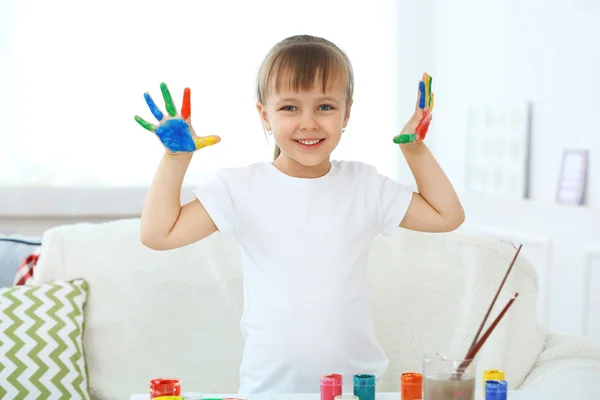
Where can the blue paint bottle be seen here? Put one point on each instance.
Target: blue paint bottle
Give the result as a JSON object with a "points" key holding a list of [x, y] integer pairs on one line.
{"points": [[364, 386], [495, 390]]}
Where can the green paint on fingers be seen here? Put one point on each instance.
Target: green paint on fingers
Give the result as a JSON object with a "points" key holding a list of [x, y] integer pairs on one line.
{"points": [[405, 138], [144, 124], [168, 99]]}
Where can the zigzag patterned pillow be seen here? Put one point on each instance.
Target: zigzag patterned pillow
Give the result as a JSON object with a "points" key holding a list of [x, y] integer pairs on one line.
{"points": [[41, 346]]}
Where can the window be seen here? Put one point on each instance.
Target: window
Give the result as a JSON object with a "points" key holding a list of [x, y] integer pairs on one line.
{"points": [[76, 73]]}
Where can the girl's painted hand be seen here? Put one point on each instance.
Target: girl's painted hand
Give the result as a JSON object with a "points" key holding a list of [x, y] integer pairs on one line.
{"points": [[416, 128], [175, 131]]}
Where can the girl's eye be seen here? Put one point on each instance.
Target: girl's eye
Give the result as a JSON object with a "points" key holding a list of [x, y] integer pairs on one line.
{"points": [[325, 107], [288, 108]]}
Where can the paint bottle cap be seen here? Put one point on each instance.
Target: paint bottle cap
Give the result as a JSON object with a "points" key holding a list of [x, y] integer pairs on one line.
{"points": [[164, 387], [346, 397], [411, 378], [493, 374], [411, 386], [331, 380], [364, 380]]}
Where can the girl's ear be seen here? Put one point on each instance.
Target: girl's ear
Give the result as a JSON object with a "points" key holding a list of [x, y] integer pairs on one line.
{"points": [[264, 117], [347, 116]]}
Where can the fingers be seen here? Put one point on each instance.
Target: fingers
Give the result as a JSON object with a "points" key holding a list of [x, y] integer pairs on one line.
{"points": [[428, 95], [206, 141], [168, 100], [423, 127], [405, 138], [425, 100], [425, 95], [186, 107], [155, 111], [145, 124], [422, 95]]}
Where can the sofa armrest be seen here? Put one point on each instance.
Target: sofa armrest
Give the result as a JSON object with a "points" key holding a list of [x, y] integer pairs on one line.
{"points": [[568, 365]]}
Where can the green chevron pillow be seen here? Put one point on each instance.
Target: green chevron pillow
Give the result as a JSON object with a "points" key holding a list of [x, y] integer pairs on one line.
{"points": [[41, 343]]}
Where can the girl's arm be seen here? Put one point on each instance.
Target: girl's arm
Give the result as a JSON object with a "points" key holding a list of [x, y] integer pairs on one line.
{"points": [[435, 207], [165, 224]]}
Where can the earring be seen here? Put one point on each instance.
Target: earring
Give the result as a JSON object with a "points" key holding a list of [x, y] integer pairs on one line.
{"points": [[343, 130], [270, 132]]}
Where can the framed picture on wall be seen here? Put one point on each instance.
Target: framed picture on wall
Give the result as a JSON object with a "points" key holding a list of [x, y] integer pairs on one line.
{"points": [[498, 148], [572, 180]]}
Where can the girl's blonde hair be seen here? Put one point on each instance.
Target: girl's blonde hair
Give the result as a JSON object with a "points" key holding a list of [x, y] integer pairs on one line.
{"points": [[296, 62]]}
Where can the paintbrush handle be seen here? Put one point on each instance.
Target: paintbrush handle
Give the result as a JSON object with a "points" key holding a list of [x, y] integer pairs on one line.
{"points": [[487, 314], [475, 349]]}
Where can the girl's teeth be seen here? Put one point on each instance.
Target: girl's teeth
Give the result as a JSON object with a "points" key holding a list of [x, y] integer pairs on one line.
{"points": [[309, 142]]}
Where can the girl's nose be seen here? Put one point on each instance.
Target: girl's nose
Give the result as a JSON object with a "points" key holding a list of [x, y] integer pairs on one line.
{"points": [[308, 123]]}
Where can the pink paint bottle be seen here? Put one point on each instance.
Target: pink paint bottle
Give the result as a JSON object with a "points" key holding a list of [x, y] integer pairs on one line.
{"points": [[331, 386]]}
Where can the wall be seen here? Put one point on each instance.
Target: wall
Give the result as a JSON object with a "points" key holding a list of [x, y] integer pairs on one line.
{"points": [[7, 105], [547, 52], [544, 51], [72, 61]]}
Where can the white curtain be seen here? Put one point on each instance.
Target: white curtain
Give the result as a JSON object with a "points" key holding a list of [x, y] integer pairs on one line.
{"points": [[76, 72]]}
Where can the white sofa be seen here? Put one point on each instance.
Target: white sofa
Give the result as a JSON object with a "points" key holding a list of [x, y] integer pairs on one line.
{"points": [[176, 313]]}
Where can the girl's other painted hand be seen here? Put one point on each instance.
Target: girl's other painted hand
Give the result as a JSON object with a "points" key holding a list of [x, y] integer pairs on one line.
{"points": [[416, 128], [175, 131]]}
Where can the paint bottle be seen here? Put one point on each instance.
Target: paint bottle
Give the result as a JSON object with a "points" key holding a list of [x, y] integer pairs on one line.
{"points": [[411, 386], [496, 390], [164, 387], [364, 386], [331, 386], [492, 375]]}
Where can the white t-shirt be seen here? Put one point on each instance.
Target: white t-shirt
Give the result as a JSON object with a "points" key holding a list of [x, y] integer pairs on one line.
{"points": [[304, 245]]}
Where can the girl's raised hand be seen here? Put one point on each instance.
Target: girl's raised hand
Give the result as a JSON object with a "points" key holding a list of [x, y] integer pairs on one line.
{"points": [[416, 128], [175, 131]]}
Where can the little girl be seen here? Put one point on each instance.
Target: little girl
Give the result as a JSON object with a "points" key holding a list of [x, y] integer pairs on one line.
{"points": [[304, 222]]}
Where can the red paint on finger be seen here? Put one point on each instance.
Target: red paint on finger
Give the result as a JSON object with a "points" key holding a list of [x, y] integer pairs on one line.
{"points": [[186, 108], [423, 126]]}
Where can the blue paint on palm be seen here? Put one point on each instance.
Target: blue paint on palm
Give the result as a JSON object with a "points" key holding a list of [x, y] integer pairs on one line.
{"points": [[176, 136]]}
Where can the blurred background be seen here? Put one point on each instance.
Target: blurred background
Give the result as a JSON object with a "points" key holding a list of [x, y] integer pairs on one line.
{"points": [[515, 85]]}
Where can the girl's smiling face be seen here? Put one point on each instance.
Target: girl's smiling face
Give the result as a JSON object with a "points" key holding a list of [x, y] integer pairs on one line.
{"points": [[307, 126]]}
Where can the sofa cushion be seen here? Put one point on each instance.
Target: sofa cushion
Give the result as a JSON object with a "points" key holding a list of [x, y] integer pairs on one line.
{"points": [[176, 313], [41, 346], [14, 250]]}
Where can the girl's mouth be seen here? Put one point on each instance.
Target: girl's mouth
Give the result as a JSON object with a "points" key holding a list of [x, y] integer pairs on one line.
{"points": [[309, 143]]}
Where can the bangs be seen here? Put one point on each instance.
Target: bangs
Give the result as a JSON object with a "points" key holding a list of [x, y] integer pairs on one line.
{"points": [[303, 68]]}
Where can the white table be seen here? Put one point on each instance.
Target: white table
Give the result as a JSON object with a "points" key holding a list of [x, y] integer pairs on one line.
{"points": [[512, 395]]}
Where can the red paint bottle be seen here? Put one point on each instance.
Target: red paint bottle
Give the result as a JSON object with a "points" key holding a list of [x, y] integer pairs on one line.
{"points": [[164, 387], [331, 386]]}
